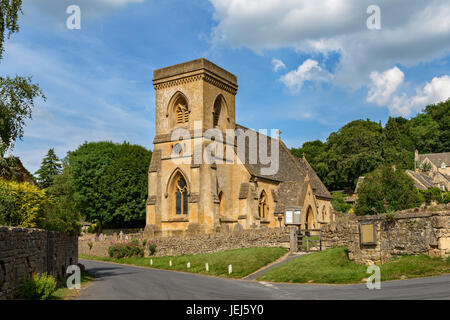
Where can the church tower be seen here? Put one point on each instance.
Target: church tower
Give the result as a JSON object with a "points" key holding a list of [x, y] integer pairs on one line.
{"points": [[183, 192]]}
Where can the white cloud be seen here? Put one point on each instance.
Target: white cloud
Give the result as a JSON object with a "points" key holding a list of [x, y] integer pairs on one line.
{"points": [[384, 85], [412, 31], [309, 70], [433, 92], [278, 65]]}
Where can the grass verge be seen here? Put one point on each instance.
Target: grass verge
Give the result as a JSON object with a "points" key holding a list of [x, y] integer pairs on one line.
{"points": [[244, 261], [64, 293], [333, 266]]}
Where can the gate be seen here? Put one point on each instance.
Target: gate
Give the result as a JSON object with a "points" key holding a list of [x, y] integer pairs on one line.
{"points": [[309, 240]]}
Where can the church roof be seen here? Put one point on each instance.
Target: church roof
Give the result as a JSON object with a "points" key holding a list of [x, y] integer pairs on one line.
{"points": [[288, 195], [436, 158], [291, 169]]}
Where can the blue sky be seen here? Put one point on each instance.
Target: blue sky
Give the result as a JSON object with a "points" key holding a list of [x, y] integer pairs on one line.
{"points": [[304, 67]]}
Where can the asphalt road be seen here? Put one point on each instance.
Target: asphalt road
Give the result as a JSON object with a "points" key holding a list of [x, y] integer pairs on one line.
{"points": [[119, 282]]}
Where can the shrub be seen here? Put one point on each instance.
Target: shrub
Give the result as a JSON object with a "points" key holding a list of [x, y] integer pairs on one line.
{"points": [[126, 250], [338, 202], [22, 204], [434, 194], [446, 198], [386, 189], [152, 248], [37, 287]]}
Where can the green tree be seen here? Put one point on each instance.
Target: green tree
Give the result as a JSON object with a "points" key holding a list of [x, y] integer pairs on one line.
{"points": [[17, 94], [109, 182], [9, 16], [386, 189], [440, 113], [50, 167], [338, 202], [316, 154], [357, 148], [17, 97], [425, 133], [125, 184], [399, 146], [88, 164], [63, 214]]}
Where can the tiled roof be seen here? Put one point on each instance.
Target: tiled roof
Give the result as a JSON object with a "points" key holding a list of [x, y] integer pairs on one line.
{"points": [[421, 180], [436, 158], [290, 168], [288, 195]]}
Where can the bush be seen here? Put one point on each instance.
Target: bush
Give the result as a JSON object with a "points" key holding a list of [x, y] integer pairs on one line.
{"points": [[435, 194], [152, 248], [38, 287], [126, 250], [22, 205], [338, 202], [386, 189], [446, 198]]}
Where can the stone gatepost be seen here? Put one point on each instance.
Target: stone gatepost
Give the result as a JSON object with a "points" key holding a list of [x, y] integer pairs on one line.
{"points": [[293, 239]]}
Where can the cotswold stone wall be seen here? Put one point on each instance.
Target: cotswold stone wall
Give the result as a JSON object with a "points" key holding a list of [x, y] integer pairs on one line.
{"points": [[27, 251], [195, 243], [415, 232]]}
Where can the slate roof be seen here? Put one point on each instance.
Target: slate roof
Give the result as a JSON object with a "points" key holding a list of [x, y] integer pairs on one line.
{"points": [[436, 158], [291, 169], [421, 180], [288, 195]]}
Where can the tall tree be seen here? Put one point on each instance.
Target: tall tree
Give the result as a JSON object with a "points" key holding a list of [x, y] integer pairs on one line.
{"points": [[357, 148], [316, 154], [17, 95], [399, 146], [125, 184], [50, 167], [425, 133], [440, 113]]}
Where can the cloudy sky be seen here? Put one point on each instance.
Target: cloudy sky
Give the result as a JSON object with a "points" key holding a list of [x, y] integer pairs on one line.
{"points": [[305, 67]]}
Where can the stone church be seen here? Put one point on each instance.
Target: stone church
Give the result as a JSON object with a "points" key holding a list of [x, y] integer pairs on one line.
{"points": [[189, 196]]}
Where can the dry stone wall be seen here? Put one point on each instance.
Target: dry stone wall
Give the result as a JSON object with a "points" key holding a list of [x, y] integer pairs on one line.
{"points": [[27, 251], [194, 243], [425, 231]]}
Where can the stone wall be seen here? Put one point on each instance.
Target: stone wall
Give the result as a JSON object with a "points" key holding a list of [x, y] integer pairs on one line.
{"points": [[194, 243], [415, 232], [27, 251]]}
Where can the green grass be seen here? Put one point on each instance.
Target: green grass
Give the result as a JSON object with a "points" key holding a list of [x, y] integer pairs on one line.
{"points": [[64, 293], [333, 266], [244, 261]]}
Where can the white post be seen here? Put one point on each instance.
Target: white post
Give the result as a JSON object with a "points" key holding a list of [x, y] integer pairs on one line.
{"points": [[170, 263], [189, 265], [230, 269], [151, 262], [207, 267]]}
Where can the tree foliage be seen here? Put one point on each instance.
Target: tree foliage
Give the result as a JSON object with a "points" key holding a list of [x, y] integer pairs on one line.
{"points": [[386, 189], [17, 96], [63, 214], [22, 205], [9, 16], [50, 167], [110, 182], [361, 146], [125, 183]]}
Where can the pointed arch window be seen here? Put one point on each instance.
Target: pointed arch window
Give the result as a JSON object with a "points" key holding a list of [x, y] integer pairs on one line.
{"points": [[181, 197], [181, 111], [262, 207], [216, 113]]}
